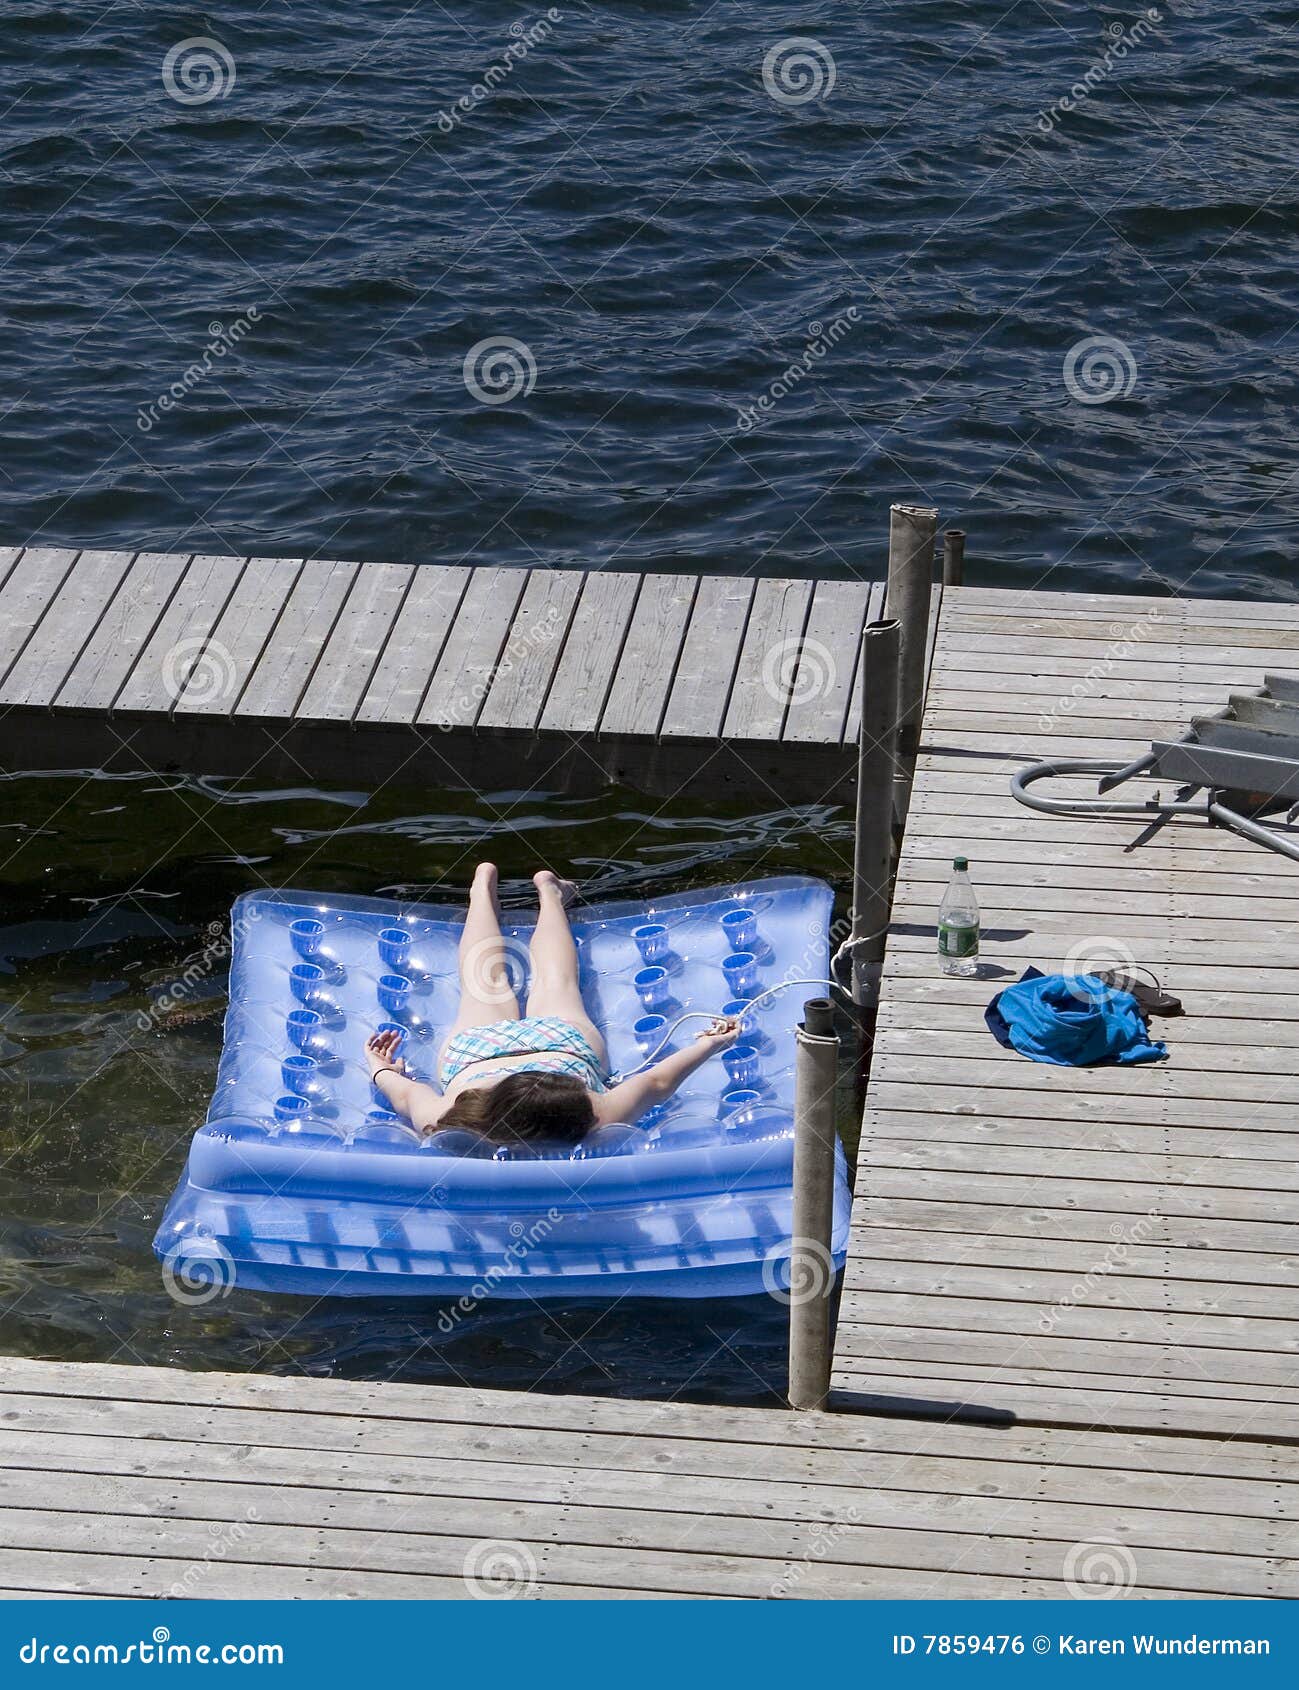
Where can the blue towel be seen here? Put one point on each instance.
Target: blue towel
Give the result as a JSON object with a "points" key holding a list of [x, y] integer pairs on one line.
{"points": [[1071, 1020]]}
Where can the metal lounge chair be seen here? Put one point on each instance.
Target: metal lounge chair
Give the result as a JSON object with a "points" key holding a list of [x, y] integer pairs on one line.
{"points": [[1243, 759]]}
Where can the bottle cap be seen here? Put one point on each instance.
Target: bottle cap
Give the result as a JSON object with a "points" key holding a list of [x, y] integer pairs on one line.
{"points": [[960, 863]]}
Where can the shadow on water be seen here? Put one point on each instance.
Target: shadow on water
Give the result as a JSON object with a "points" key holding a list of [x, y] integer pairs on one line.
{"points": [[114, 899]]}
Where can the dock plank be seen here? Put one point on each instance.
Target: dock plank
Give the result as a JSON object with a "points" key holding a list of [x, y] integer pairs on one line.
{"points": [[178, 643], [840, 611], [288, 660], [471, 654], [701, 686], [124, 629], [237, 641], [532, 651], [351, 653], [419, 634], [31, 585], [775, 663], [65, 629], [648, 660], [591, 654]]}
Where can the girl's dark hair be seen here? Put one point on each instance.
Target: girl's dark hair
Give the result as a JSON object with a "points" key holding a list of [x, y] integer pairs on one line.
{"points": [[524, 1108]]}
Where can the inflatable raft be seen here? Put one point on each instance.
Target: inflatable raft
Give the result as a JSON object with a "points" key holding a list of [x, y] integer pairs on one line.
{"points": [[301, 1180]]}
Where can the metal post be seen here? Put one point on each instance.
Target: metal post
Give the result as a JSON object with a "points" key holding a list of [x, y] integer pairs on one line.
{"points": [[811, 1262], [872, 868], [913, 530], [954, 557]]}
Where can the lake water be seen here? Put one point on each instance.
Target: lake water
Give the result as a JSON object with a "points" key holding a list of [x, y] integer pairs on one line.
{"points": [[641, 285]]}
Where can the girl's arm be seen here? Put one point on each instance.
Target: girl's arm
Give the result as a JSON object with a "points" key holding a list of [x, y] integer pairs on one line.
{"points": [[420, 1104], [631, 1098]]}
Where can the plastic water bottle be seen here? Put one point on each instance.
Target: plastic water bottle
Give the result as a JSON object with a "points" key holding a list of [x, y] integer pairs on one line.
{"points": [[958, 923]]}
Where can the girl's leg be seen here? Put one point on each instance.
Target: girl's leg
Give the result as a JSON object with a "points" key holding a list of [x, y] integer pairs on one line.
{"points": [[485, 990], [554, 989]]}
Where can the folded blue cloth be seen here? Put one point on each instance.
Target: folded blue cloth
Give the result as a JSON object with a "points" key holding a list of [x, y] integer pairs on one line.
{"points": [[1071, 1019]]}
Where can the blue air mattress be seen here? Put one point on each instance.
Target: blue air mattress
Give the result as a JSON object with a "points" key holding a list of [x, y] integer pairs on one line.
{"points": [[301, 1180]]}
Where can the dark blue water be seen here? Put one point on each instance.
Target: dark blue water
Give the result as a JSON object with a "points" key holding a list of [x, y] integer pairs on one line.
{"points": [[659, 230]]}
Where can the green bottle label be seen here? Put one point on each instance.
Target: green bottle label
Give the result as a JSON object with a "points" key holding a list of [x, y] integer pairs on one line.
{"points": [[956, 941]]}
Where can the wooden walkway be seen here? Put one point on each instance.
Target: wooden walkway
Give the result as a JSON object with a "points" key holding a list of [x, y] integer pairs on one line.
{"points": [[452, 675], [1102, 1247], [132, 1481]]}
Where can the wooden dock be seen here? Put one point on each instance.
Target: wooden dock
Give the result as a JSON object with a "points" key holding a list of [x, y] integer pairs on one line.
{"points": [[152, 1482], [446, 676], [1105, 1247], [1068, 1350]]}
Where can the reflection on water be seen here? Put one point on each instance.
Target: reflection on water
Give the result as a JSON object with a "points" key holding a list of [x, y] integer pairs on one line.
{"points": [[114, 889]]}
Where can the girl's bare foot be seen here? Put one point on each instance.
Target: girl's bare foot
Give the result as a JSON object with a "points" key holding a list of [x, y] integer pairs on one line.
{"points": [[546, 880], [381, 1052]]}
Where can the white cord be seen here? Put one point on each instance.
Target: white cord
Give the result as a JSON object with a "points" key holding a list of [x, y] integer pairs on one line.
{"points": [[704, 1015]]}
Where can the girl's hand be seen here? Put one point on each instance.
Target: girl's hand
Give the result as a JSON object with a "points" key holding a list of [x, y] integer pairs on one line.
{"points": [[722, 1032], [381, 1052]]}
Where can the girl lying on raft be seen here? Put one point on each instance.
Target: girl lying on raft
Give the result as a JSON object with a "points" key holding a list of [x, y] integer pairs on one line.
{"points": [[543, 1075]]}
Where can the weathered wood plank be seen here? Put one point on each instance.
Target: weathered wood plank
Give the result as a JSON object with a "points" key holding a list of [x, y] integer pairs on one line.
{"points": [[179, 641], [231, 653], [701, 686], [874, 613], [123, 631], [66, 628], [350, 654], [776, 663], [832, 639], [532, 651], [419, 635], [648, 660], [590, 658], [281, 674], [473, 649], [30, 587]]}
